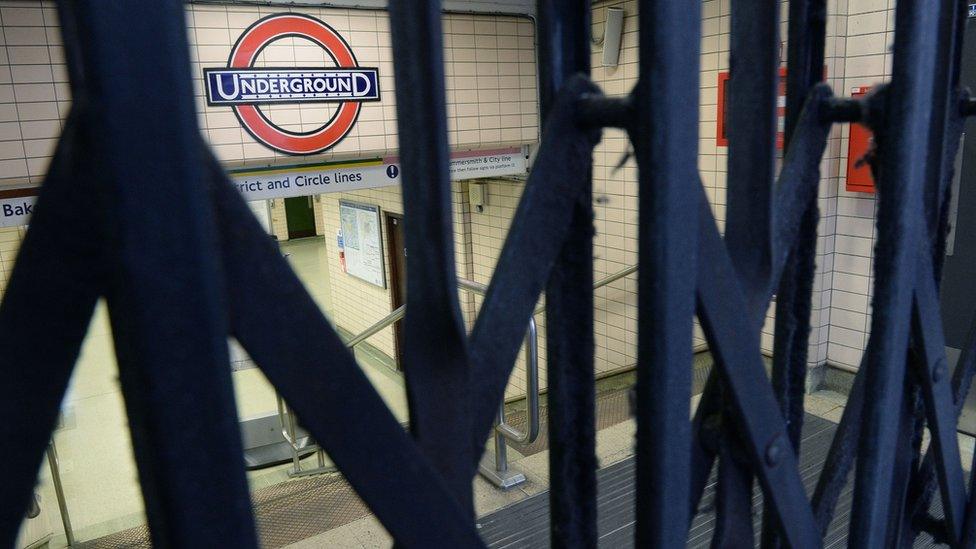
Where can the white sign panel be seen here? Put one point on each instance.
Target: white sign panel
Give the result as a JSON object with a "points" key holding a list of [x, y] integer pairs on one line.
{"points": [[478, 164], [362, 242], [15, 212], [316, 179], [330, 177]]}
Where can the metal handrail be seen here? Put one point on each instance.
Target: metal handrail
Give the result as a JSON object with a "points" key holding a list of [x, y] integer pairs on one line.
{"points": [[380, 324], [531, 382], [503, 430]]}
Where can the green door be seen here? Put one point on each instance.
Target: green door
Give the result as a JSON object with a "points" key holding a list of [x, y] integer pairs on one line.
{"points": [[300, 216]]}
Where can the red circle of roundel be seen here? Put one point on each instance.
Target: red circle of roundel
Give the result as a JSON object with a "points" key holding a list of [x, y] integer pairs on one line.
{"points": [[255, 39]]}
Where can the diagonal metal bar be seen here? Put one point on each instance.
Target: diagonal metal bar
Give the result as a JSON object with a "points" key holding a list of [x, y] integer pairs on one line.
{"points": [[797, 186], [47, 293], [538, 230], [901, 145], [840, 457], [312, 368], [434, 354], [166, 307], [666, 149], [807, 31], [843, 448], [937, 392], [752, 135], [759, 423], [564, 38], [908, 445]]}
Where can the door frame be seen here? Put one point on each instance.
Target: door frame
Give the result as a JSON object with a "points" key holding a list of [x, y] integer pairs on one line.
{"points": [[393, 223], [310, 200]]}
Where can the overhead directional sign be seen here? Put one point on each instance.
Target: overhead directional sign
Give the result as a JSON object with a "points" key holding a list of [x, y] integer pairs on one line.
{"points": [[17, 205]]}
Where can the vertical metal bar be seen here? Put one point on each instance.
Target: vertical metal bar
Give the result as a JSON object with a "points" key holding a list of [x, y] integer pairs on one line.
{"points": [[541, 224], [902, 148], [807, 35], [564, 50], [165, 292], [434, 354], [666, 147], [807, 27], [907, 446], [754, 74], [754, 67], [945, 128]]}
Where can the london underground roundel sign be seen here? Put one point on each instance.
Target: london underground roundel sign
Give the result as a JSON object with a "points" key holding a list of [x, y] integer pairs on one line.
{"points": [[245, 87]]}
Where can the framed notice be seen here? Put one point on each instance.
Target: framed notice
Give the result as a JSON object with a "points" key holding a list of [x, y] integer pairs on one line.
{"points": [[362, 242]]}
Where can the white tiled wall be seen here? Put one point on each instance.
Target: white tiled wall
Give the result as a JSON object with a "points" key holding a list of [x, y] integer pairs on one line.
{"points": [[870, 33], [490, 70], [856, 55], [859, 35]]}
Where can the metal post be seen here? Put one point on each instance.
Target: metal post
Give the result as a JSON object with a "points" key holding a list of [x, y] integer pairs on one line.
{"points": [[564, 50], [52, 461], [902, 147], [666, 147], [499, 473]]}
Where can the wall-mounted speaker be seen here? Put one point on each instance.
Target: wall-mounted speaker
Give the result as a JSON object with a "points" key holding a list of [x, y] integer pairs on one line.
{"points": [[612, 32]]}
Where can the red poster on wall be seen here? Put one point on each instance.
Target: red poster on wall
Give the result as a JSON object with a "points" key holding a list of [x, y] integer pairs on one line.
{"points": [[721, 137], [859, 178]]}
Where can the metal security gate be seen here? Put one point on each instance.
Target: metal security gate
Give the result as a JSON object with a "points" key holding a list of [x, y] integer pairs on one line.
{"points": [[136, 209]]}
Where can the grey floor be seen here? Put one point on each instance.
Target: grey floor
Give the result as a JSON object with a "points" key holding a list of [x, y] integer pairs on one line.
{"points": [[526, 524]]}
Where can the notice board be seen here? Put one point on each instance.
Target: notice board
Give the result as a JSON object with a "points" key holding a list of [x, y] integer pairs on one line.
{"points": [[362, 241]]}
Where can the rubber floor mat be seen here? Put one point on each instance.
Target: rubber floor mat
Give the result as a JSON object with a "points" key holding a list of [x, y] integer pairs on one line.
{"points": [[284, 513], [612, 407]]}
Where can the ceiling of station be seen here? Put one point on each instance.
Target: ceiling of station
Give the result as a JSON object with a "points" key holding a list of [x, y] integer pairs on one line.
{"points": [[512, 7]]}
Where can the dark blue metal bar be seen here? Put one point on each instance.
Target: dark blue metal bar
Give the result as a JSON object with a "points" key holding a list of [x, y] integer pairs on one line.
{"points": [[840, 457], [944, 136], [805, 59], [434, 354], [908, 445], [797, 186], [666, 147], [752, 134], [937, 393], [754, 73], [535, 239], [167, 306], [758, 422], [807, 29], [48, 293], [901, 144], [733, 499], [312, 368], [564, 50]]}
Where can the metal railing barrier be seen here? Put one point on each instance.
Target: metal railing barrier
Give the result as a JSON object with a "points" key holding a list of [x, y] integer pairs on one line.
{"points": [[493, 468]]}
